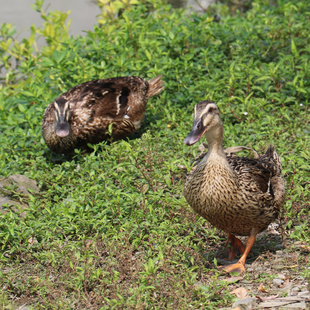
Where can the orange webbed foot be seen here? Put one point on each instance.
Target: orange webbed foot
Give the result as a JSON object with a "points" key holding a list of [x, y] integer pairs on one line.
{"points": [[238, 267]]}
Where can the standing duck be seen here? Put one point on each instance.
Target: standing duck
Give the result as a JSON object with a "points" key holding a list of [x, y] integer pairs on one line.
{"points": [[238, 195], [85, 113]]}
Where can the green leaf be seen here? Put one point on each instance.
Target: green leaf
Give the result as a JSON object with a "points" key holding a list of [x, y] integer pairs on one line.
{"points": [[294, 49], [148, 55], [171, 35], [21, 108]]}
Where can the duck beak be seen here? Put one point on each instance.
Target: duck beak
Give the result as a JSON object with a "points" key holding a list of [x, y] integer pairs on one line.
{"points": [[62, 128], [195, 135]]}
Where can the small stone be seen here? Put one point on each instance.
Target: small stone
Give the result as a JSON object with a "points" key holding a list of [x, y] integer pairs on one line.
{"points": [[277, 282], [11, 204], [279, 252], [21, 184], [24, 184], [245, 304], [278, 267], [286, 289], [281, 276], [296, 289], [15, 183]]}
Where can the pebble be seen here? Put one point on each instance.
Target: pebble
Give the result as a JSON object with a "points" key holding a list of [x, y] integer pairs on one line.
{"points": [[281, 276], [286, 289], [277, 282], [296, 289], [245, 304]]}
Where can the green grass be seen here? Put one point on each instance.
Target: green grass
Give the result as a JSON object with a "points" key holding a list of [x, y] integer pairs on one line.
{"points": [[111, 228]]}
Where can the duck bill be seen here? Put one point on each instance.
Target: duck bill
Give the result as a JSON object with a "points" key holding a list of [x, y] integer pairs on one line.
{"points": [[195, 135], [62, 128]]}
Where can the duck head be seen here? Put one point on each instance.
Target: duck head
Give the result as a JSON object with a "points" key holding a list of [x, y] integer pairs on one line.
{"points": [[62, 116], [206, 121]]}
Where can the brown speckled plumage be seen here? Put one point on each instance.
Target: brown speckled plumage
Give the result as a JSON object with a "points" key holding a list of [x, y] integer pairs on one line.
{"points": [[238, 195], [83, 114]]}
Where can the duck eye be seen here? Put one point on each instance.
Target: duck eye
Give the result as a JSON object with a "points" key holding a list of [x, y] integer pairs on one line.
{"points": [[211, 110]]}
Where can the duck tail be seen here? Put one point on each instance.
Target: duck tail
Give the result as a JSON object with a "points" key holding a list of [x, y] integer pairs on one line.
{"points": [[155, 86], [273, 154], [277, 181]]}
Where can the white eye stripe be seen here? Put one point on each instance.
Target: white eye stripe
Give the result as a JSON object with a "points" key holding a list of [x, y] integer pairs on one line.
{"points": [[56, 107], [208, 109], [66, 106]]}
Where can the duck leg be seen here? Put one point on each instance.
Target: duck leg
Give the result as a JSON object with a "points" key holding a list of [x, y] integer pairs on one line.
{"points": [[239, 267], [233, 244]]}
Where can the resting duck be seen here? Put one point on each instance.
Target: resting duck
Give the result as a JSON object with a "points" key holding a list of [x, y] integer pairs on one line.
{"points": [[238, 195], [84, 113]]}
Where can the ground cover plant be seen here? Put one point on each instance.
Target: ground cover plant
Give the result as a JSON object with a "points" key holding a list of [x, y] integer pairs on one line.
{"points": [[111, 228]]}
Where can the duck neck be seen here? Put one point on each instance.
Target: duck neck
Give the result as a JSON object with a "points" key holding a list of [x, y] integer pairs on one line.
{"points": [[215, 141]]}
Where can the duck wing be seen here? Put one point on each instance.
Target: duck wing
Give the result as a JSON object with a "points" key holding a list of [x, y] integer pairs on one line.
{"points": [[252, 173], [262, 175], [108, 97]]}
